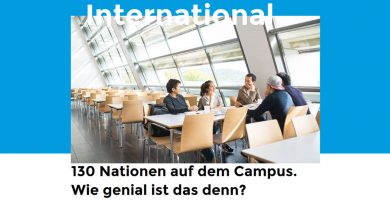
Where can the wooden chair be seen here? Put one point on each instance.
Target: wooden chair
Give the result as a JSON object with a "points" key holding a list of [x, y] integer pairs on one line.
{"points": [[160, 100], [262, 133], [233, 127], [318, 118], [197, 134], [142, 93], [294, 111], [305, 125], [233, 100], [156, 96], [145, 98], [159, 142], [192, 100], [132, 113], [131, 96]]}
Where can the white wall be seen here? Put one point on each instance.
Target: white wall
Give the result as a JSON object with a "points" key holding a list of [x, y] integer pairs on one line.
{"points": [[84, 70], [257, 52]]}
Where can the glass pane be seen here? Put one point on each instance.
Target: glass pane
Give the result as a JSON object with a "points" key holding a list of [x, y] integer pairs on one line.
{"points": [[223, 53], [130, 50], [165, 74], [304, 68], [165, 62], [191, 58], [226, 93], [128, 27], [108, 40], [195, 92], [138, 48], [185, 41], [117, 58], [197, 75], [124, 76], [174, 29], [282, 21], [302, 54], [150, 75], [301, 40], [231, 73], [155, 42], [224, 27], [140, 73], [115, 77]]}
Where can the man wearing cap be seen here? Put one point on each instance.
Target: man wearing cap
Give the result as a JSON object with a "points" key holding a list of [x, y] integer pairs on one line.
{"points": [[277, 101]]}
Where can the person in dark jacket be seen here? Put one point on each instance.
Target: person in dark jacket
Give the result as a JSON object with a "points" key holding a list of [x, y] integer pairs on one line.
{"points": [[277, 102], [295, 93], [174, 101]]}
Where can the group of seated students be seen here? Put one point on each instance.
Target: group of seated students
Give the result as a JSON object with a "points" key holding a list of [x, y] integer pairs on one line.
{"points": [[279, 97]]}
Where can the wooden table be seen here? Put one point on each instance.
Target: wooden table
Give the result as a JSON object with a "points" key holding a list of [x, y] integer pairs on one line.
{"points": [[302, 149]]}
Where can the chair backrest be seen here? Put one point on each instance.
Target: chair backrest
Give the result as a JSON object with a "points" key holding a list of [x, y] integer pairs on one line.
{"points": [[160, 100], [132, 111], [145, 98], [265, 132], [156, 96], [197, 132], [188, 103], [305, 125], [318, 118], [234, 124], [192, 100], [131, 96], [294, 111], [142, 93], [91, 98], [233, 100]]}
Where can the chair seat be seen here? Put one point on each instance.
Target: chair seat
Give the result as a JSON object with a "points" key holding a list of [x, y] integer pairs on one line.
{"points": [[131, 122], [162, 140], [177, 146]]}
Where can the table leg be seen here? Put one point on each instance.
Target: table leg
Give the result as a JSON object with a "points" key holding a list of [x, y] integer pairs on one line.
{"points": [[171, 133]]}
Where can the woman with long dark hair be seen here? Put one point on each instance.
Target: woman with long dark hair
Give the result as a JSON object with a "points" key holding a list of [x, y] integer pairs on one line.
{"points": [[208, 96]]}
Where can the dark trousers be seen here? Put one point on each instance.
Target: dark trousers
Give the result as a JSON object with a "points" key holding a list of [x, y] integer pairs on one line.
{"points": [[207, 153]]}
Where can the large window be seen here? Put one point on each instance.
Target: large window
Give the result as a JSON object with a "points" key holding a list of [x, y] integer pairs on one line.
{"points": [[190, 53], [104, 46], [193, 54], [298, 41]]}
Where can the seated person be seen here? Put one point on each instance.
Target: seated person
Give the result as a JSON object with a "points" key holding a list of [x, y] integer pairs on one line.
{"points": [[174, 101], [248, 93], [295, 93], [277, 101], [209, 98]]}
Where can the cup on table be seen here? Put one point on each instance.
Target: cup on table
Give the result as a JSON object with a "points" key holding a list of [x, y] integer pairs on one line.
{"points": [[207, 108]]}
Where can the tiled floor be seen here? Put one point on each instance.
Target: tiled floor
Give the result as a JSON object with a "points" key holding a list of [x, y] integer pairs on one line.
{"points": [[93, 143]]}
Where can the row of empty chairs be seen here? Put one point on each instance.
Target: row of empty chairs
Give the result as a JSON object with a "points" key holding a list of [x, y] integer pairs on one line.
{"points": [[266, 132]]}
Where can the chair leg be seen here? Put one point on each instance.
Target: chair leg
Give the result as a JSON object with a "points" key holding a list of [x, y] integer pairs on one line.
{"points": [[178, 158], [220, 152], [143, 151], [149, 152], [157, 153], [215, 157]]}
